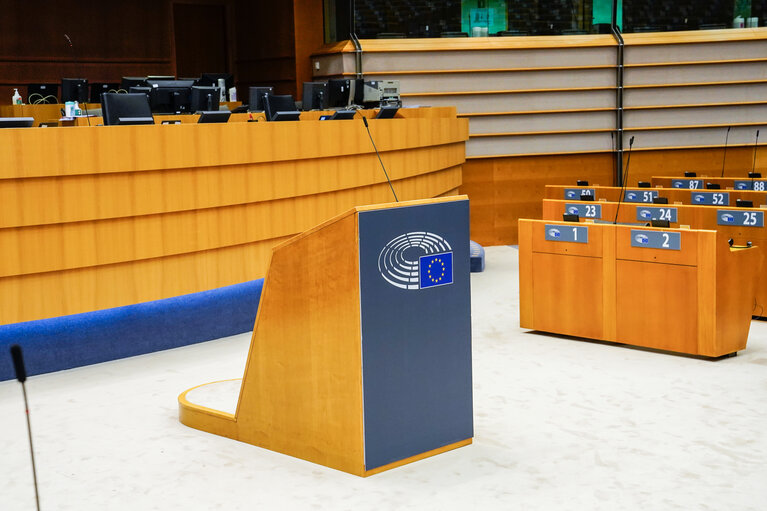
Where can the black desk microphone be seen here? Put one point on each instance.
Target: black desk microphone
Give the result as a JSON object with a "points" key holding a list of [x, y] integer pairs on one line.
{"points": [[365, 120]]}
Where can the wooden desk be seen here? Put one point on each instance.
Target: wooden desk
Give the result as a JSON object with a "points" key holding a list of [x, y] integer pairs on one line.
{"points": [[748, 225], [98, 217], [694, 300], [644, 195]]}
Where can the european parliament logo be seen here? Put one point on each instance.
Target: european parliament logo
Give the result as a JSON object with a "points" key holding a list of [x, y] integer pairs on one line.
{"points": [[417, 260]]}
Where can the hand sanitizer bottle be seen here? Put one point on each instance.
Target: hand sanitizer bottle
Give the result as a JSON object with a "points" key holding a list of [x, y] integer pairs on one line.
{"points": [[16, 97]]}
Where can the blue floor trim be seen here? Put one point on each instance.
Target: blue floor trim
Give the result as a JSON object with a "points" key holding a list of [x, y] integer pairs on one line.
{"points": [[92, 337]]}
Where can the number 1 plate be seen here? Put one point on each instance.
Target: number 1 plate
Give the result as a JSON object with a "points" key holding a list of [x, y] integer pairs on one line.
{"points": [[656, 239], [570, 233]]}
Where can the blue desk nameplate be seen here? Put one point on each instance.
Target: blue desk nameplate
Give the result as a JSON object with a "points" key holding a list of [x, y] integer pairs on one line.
{"points": [[640, 195], [758, 186], [584, 210], [645, 213], [710, 198], [692, 184], [575, 193], [656, 239], [740, 217], [569, 233]]}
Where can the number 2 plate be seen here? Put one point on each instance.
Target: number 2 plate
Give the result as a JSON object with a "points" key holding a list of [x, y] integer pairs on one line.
{"points": [[656, 239]]}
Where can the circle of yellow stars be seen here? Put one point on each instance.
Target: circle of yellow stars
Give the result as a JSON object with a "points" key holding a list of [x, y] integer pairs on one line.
{"points": [[442, 269]]}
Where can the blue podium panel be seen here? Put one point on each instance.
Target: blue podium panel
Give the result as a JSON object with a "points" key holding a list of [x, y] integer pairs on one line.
{"points": [[416, 329]]}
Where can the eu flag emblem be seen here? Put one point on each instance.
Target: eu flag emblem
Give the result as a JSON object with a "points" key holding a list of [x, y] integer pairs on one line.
{"points": [[435, 270]]}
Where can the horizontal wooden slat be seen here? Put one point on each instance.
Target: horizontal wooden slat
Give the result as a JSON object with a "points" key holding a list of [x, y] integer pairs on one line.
{"points": [[538, 112], [515, 91], [695, 36], [695, 63], [497, 70], [696, 84], [532, 133]]}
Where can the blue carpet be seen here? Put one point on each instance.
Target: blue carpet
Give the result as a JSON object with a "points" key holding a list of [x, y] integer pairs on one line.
{"points": [[92, 337]]}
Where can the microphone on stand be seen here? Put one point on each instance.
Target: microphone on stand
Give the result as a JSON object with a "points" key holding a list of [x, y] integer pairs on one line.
{"points": [[724, 156], [365, 120], [21, 375], [625, 181]]}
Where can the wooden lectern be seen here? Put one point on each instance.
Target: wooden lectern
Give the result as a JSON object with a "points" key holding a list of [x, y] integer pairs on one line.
{"points": [[677, 290], [360, 358]]}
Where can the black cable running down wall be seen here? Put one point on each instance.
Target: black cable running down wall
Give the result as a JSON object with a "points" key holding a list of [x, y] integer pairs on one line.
{"points": [[618, 96]]}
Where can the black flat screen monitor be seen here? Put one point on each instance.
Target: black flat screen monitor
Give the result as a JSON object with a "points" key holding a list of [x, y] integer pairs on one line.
{"points": [[339, 91], [126, 109], [97, 89], [132, 81], [141, 90], [280, 108], [74, 89], [204, 99], [211, 80], [256, 103], [17, 122], [387, 112], [315, 96], [170, 96], [214, 117], [339, 115], [42, 93]]}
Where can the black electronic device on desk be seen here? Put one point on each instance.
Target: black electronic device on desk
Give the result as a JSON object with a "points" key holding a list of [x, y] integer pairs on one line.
{"points": [[280, 108], [97, 89], [16, 122], [339, 115], [211, 80], [387, 112], [74, 89], [42, 93], [170, 96], [204, 99], [315, 96], [256, 97], [216, 116], [125, 109], [132, 81]]}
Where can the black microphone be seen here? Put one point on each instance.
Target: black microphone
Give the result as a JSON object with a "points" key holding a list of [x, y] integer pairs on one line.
{"points": [[724, 156], [21, 375], [365, 120], [753, 165], [625, 181]]}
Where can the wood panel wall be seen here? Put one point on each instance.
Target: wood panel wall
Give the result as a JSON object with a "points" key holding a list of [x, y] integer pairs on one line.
{"points": [[269, 43]]}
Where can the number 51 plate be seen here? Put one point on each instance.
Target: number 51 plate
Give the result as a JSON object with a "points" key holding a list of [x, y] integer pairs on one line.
{"points": [[656, 239]]}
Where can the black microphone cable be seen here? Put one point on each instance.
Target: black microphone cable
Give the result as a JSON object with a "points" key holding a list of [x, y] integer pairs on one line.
{"points": [[365, 120], [753, 165], [21, 375]]}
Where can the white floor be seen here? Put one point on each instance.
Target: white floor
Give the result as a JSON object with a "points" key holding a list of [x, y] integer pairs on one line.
{"points": [[559, 424]]}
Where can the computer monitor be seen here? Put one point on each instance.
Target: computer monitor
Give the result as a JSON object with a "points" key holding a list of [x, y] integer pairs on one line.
{"points": [[315, 96], [214, 117], [211, 80], [170, 96], [141, 90], [97, 89], [280, 108], [42, 93], [339, 91], [17, 122], [74, 89], [204, 99], [256, 103], [133, 81], [126, 109], [387, 112]]}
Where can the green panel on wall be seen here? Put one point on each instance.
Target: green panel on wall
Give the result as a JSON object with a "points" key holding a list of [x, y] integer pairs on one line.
{"points": [[603, 12], [492, 14]]}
